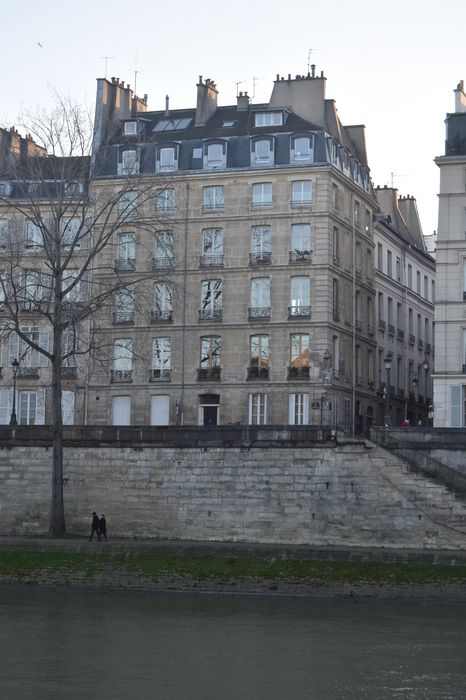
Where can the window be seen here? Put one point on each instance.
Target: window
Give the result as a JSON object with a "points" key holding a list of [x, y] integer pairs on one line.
{"points": [[122, 358], [398, 269], [335, 196], [299, 356], [73, 286], [410, 276], [67, 407], [28, 357], [72, 232], [335, 301], [300, 296], [268, 119], [368, 221], [127, 203], [166, 159], [257, 409], [210, 358], [172, 124], [213, 197], [380, 306], [31, 407], [126, 252], [165, 200], [426, 287], [212, 247], [130, 128], [410, 322], [124, 305], [390, 310], [336, 245], [33, 288], [389, 263], [260, 298], [3, 234], [358, 261], [379, 257], [121, 410], [302, 149], [262, 152], [211, 300], [161, 358], [34, 237], [301, 240], [261, 245], [164, 256], [357, 213], [197, 152], [418, 282], [215, 155], [433, 291], [162, 302], [129, 163], [259, 357], [301, 192], [298, 409], [262, 194]]}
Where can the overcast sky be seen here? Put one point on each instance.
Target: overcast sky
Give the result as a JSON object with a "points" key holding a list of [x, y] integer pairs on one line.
{"points": [[390, 66]]}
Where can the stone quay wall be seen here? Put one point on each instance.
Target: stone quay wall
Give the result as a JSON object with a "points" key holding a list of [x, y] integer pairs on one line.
{"points": [[352, 494]]}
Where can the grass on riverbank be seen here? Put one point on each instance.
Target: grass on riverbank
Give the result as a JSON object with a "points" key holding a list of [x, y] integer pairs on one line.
{"points": [[27, 564]]}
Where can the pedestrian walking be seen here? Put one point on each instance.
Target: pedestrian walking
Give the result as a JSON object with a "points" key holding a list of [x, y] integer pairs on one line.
{"points": [[95, 527], [103, 526]]}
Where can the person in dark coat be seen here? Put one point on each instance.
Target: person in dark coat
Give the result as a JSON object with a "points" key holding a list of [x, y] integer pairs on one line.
{"points": [[95, 527], [103, 526]]}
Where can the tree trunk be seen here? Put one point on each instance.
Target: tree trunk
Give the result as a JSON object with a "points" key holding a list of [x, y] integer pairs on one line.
{"points": [[57, 510]]}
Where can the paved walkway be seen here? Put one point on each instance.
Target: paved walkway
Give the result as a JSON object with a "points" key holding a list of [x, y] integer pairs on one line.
{"points": [[234, 549]]}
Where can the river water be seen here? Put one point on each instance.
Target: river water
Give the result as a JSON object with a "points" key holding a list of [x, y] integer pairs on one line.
{"points": [[68, 645]]}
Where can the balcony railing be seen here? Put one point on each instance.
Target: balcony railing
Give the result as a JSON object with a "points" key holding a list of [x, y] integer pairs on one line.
{"points": [[125, 264], [69, 372], [123, 318], [28, 372], [161, 316], [382, 324], [208, 374], [211, 260], [160, 375], [299, 256], [259, 313], [163, 263], [264, 258], [211, 315], [299, 312], [121, 376], [258, 372], [298, 372]]}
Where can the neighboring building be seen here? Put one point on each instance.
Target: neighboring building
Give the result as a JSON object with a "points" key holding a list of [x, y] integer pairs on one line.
{"points": [[405, 296], [245, 313], [450, 308]]}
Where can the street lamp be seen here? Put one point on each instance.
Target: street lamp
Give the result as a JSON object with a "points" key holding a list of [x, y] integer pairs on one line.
{"points": [[388, 365], [425, 367], [15, 365]]}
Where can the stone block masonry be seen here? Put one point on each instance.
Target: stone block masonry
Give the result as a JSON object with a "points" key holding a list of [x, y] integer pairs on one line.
{"points": [[352, 495]]}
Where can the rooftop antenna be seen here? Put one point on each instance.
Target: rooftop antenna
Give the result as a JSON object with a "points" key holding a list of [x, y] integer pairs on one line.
{"points": [[254, 81], [309, 60], [135, 71], [240, 82], [106, 59]]}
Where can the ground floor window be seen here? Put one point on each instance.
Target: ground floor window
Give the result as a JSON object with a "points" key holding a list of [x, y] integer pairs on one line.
{"points": [[257, 409], [298, 409]]}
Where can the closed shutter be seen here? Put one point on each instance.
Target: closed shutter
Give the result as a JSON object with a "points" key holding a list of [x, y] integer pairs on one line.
{"points": [[67, 407], [291, 403], [121, 410], [455, 417], [160, 410]]}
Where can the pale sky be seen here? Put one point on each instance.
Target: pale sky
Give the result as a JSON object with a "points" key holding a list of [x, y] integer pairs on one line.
{"points": [[391, 66]]}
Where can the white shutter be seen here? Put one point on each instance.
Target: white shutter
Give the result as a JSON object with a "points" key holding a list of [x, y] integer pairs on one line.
{"points": [[121, 410], [160, 410], [6, 400], [456, 420], [305, 409], [67, 407], [291, 402], [40, 407], [43, 343], [14, 348]]}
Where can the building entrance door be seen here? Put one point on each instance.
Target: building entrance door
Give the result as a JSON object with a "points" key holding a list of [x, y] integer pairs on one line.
{"points": [[210, 415]]}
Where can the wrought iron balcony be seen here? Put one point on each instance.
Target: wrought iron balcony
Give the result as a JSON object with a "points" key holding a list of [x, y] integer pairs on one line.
{"points": [[299, 312], [298, 372], [125, 264], [161, 316], [123, 318], [211, 315], [257, 313], [208, 374], [28, 372], [255, 372], [264, 258], [299, 256], [160, 375], [121, 376], [211, 260], [163, 263]]}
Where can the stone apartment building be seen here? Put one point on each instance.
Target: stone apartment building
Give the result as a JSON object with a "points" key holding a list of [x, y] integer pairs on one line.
{"points": [[450, 311], [251, 295]]}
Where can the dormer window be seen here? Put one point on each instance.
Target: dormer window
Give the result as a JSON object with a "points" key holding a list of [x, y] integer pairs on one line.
{"points": [[129, 163], [262, 152], [167, 159], [215, 155], [130, 128], [302, 149], [268, 119]]}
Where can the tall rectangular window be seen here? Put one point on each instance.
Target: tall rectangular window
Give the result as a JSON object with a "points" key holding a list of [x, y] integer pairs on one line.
{"points": [[298, 409], [163, 302], [410, 276], [335, 301], [379, 257], [260, 298], [124, 305], [262, 194], [211, 300], [301, 149], [261, 245], [300, 242], [336, 245], [166, 161], [126, 250], [129, 164], [257, 413], [262, 152], [426, 287], [127, 204], [259, 357], [34, 237], [301, 192], [213, 197], [398, 269], [418, 282], [300, 296], [210, 358], [389, 263], [212, 247], [161, 358], [165, 200], [299, 356], [164, 255]]}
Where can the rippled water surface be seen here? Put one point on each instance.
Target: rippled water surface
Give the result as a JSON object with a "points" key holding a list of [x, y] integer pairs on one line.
{"points": [[61, 645]]}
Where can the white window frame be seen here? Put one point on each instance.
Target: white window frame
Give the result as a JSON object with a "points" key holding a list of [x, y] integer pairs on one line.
{"points": [[301, 192], [262, 152], [298, 409], [268, 119], [213, 197], [165, 200], [129, 164], [262, 194], [305, 156], [301, 238], [257, 409]]}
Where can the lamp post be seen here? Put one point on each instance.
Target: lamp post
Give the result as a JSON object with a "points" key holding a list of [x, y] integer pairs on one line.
{"points": [[425, 367], [388, 365], [13, 420]]}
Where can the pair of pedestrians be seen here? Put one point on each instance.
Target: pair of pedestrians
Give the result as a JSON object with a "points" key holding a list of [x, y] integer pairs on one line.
{"points": [[98, 526]]}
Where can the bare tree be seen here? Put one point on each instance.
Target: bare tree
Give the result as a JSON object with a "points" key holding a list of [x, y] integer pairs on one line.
{"points": [[55, 226]]}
